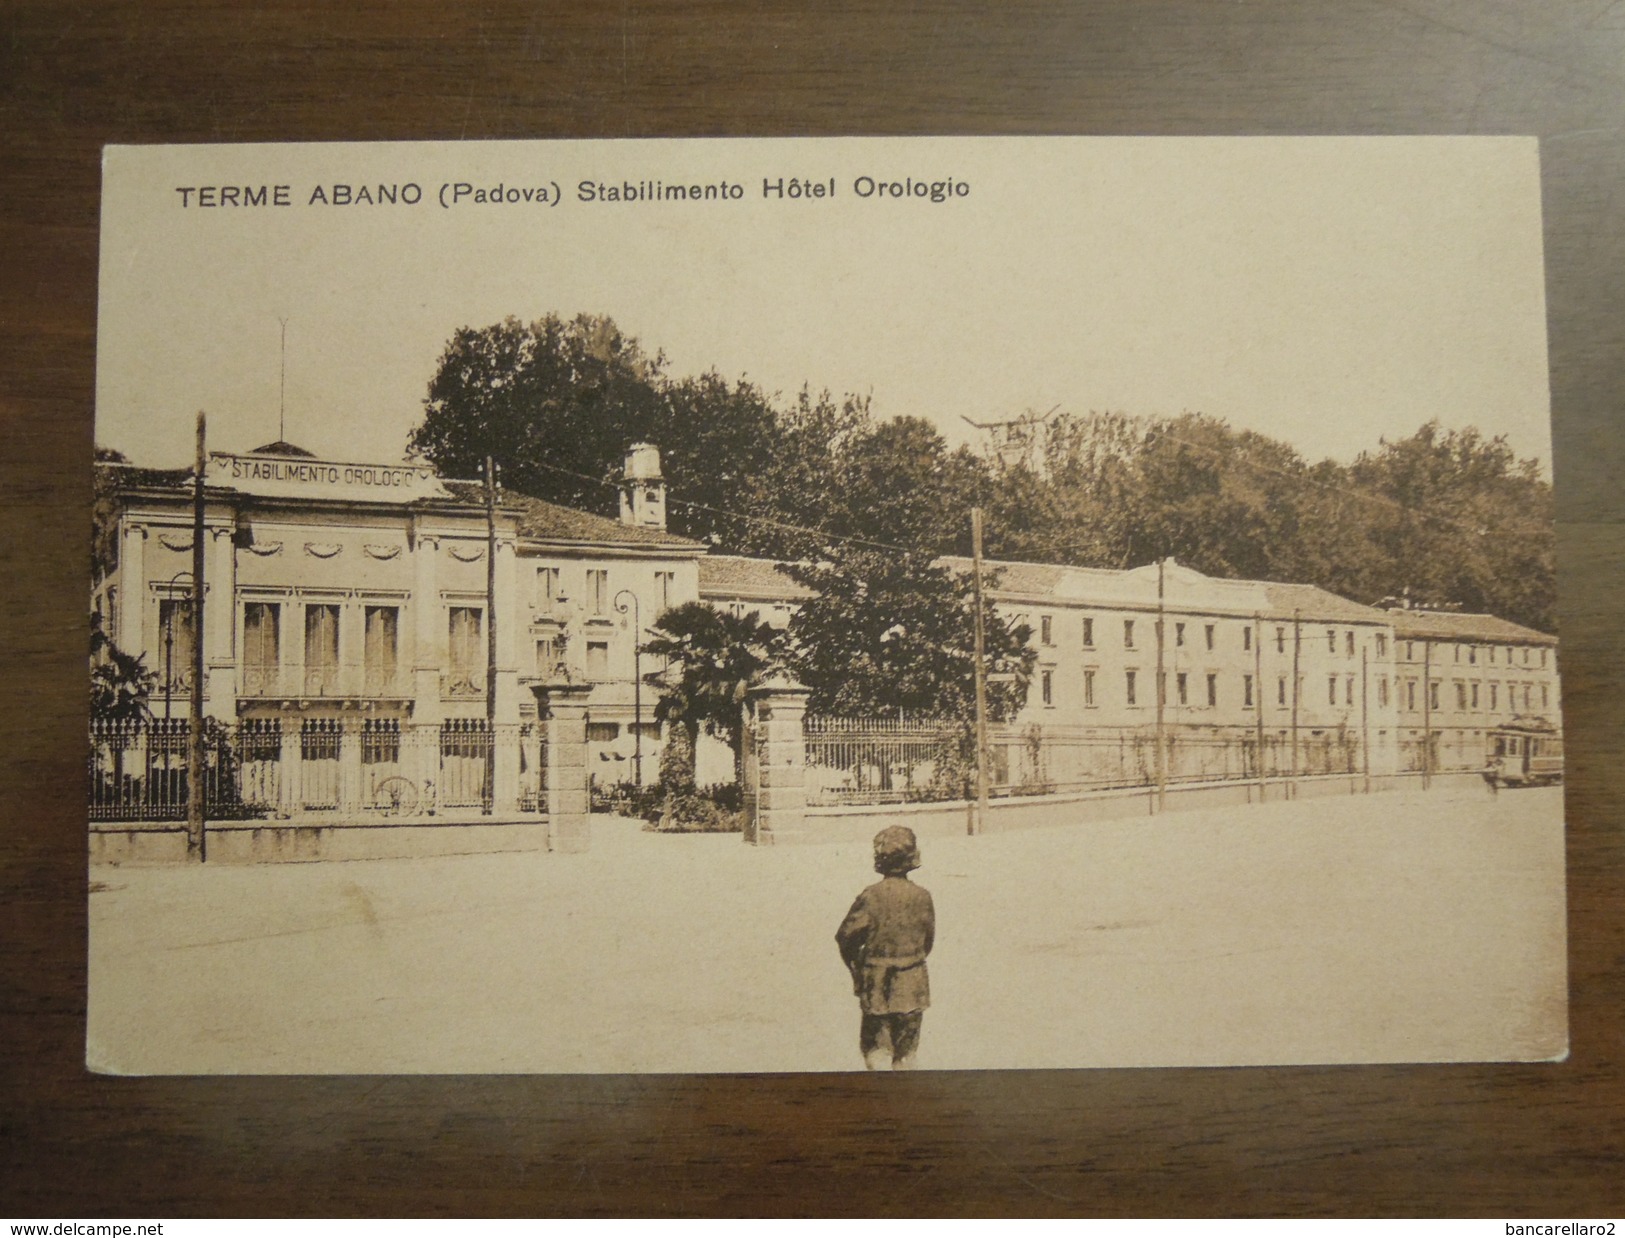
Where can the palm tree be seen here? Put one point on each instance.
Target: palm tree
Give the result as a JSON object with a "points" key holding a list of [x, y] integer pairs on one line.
{"points": [[712, 658], [120, 683]]}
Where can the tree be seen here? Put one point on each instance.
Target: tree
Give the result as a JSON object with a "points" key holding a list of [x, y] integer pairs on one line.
{"points": [[120, 683], [713, 657], [891, 631], [556, 402], [898, 484], [1456, 517]]}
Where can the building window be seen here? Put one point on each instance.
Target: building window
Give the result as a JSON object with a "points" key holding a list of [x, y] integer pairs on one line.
{"points": [[547, 588], [1088, 632], [1472, 655], [665, 588], [603, 732], [1410, 694], [177, 644], [321, 649], [1179, 634], [1212, 690], [598, 590], [1280, 691], [1475, 695], [1382, 645], [1543, 657], [1461, 695], [1495, 692], [547, 657], [1046, 630], [380, 649], [598, 660], [465, 661], [1046, 680], [1382, 691], [1489, 652], [1247, 637], [1128, 636], [1410, 651], [1433, 694], [1526, 698], [110, 620], [1208, 632], [1331, 640], [1545, 696], [1128, 687], [1180, 687], [262, 647], [1349, 643], [1088, 688], [1280, 640], [1247, 691], [1455, 653], [1348, 690], [1331, 689], [1526, 655]]}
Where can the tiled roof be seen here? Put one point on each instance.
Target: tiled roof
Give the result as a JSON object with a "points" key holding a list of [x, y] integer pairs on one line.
{"points": [[1184, 588], [737, 576], [1453, 625], [1315, 603], [130, 477], [549, 522]]}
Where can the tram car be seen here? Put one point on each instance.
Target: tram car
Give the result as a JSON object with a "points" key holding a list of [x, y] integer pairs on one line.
{"points": [[1526, 752]]}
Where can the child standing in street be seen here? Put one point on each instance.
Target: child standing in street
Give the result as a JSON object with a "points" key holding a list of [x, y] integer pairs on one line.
{"points": [[883, 942]]}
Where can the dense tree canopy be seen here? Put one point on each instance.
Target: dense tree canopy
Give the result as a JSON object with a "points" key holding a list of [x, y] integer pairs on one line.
{"points": [[888, 632], [1444, 516]]}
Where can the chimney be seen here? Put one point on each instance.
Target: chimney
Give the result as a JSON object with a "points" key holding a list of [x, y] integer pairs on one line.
{"points": [[643, 490]]}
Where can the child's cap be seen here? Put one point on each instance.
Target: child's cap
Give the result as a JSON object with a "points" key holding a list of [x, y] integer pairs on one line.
{"points": [[896, 850]]}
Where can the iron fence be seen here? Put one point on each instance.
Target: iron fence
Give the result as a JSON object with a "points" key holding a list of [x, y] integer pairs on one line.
{"points": [[877, 761], [286, 768], [885, 761]]}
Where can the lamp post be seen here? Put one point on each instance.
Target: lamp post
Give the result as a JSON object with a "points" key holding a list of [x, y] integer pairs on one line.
{"points": [[637, 679]]}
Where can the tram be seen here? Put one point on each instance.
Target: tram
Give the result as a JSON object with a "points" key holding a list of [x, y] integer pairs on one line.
{"points": [[1526, 752]]}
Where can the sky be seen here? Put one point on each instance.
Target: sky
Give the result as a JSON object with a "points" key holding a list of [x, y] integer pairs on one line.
{"points": [[1329, 292]]}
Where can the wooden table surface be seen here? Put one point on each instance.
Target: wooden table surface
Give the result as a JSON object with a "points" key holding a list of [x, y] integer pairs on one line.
{"points": [[1505, 1141]]}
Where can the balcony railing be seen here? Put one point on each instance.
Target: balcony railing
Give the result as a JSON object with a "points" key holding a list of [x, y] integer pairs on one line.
{"points": [[462, 684], [262, 682]]}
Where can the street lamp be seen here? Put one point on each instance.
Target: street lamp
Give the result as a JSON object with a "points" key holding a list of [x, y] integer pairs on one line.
{"points": [[637, 679]]}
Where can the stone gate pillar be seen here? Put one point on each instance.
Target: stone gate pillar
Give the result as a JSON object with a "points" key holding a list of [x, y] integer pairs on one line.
{"points": [[774, 776], [568, 801]]}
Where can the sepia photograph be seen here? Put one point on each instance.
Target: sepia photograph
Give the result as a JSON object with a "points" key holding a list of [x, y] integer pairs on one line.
{"points": [[797, 605]]}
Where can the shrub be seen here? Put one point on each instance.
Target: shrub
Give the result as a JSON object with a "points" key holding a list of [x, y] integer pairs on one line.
{"points": [[712, 811]]}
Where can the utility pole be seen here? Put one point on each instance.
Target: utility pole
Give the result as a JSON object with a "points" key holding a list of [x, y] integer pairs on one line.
{"points": [[1427, 714], [1258, 702], [1161, 691], [979, 817], [196, 839], [1297, 649], [490, 631], [1365, 722]]}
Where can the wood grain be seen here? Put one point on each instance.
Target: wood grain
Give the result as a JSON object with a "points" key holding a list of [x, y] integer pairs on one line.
{"points": [[1467, 1140]]}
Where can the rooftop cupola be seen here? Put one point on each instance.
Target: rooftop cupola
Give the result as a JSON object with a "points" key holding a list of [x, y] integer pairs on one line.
{"points": [[643, 490]]}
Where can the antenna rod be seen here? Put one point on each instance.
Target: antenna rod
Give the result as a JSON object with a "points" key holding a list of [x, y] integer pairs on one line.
{"points": [[282, 393]]}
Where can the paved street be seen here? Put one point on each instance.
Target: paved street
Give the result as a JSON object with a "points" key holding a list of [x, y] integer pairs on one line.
{"points": [[1397, 927]]}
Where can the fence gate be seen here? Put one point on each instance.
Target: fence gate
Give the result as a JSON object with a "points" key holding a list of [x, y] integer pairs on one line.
{"points": [[465, 763], [320, 740]]}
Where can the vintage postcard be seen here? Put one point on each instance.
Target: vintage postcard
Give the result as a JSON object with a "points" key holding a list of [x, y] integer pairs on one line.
{"points": [[806, 605]]}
